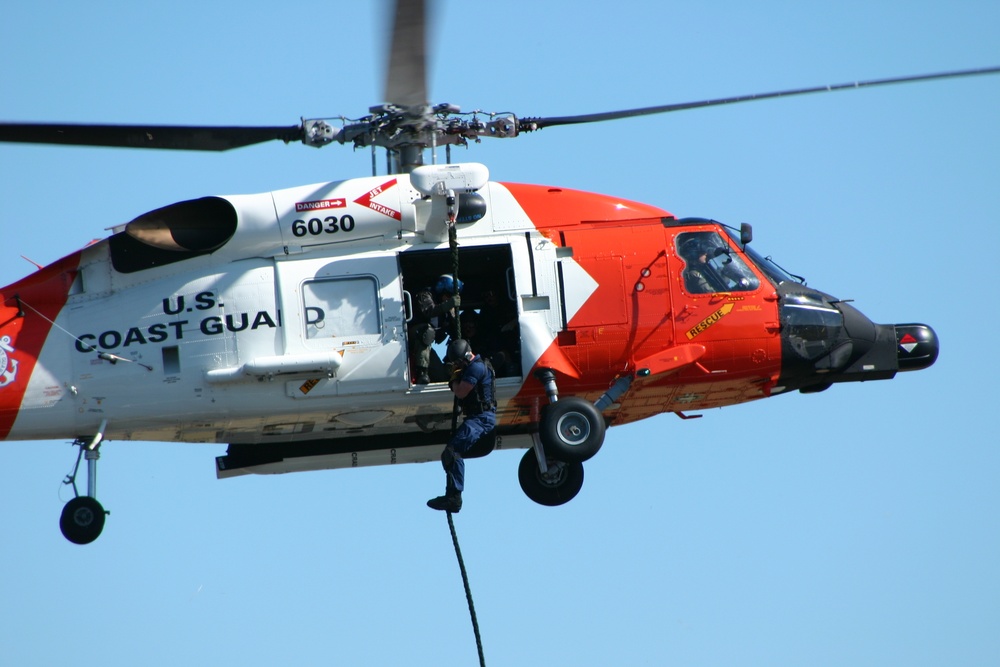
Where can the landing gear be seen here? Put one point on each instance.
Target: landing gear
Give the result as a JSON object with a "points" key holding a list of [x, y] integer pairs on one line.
{"points": [[83, 517], [558, 485], [572, 429], [82, 520]]}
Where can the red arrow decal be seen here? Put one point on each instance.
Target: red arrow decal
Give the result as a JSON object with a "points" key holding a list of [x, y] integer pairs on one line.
{"points": [[366, 200]]}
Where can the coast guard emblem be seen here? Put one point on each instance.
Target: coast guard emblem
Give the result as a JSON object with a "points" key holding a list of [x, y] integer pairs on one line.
{"points": [[8, 366]]}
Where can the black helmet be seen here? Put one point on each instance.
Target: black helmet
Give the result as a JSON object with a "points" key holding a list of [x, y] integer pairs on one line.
{"points": [[460, 349], [693, 248], [699, 245]]}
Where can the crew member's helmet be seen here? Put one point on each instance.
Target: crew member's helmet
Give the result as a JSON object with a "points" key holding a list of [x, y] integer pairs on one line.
{"points": [[460, 349], [446, 284], [697, 246]]}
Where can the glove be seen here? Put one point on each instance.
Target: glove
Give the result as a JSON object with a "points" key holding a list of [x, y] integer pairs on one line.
{"points": [[456, 374]]}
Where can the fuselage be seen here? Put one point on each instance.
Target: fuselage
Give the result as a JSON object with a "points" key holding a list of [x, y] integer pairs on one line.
{"points": [[280, 319]]}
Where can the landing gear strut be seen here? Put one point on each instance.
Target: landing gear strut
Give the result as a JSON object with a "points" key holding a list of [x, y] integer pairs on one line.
{"points": [[83, 517]]}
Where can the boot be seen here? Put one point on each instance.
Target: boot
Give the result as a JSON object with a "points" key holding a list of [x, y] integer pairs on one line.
{"points": [[422, 376], [451, 502]]}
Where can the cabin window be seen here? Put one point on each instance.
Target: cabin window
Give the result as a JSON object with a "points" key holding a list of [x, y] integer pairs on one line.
{"points": [[171, 360], [341, 308], [711, 265]]}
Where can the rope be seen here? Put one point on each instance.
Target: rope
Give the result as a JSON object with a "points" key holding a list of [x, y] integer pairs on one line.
{"points": [[468, 591], [453, 244], [456, 329], [457, 333]]}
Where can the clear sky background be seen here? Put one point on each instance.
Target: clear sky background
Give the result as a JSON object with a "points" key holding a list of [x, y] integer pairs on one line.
{"points": [[853, 527]]}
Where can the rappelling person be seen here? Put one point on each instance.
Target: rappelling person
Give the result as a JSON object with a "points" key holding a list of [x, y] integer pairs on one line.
{"points": [[474, 384], [433, 313]]}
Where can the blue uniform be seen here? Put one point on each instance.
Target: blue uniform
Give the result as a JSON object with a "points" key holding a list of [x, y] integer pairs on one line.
{"points": [[480, 413]]}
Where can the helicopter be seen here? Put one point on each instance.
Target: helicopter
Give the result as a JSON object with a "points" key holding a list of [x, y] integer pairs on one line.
{"points": [[277, 323]]}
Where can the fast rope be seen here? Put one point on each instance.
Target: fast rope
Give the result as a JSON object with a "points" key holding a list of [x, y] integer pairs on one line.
{"points": [[455, 334], [468, 591], [456, 324]]}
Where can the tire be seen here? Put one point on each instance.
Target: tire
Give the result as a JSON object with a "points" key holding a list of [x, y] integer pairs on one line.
{"points": [[82, 520], [559, 486], [572, 429]]}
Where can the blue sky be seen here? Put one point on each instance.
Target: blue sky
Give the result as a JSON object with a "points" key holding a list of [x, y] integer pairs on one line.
{"points": [[857, 526]]}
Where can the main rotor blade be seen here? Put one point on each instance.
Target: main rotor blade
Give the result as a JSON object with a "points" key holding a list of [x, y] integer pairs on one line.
{"points": [[176, 137], [406, 80], [539, 123]]}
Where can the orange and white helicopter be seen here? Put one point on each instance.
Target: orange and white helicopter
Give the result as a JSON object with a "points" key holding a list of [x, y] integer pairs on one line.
{"points": [[277, 323]]}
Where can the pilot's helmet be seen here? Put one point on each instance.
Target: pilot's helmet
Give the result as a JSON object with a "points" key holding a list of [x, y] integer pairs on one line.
{"points": [[697, 246], [447, 284]]}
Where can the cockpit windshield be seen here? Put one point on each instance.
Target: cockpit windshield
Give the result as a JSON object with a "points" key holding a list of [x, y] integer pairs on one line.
{"points": [[777, 274]]}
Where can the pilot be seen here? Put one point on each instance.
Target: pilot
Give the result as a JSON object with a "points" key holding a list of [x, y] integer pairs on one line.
{"points": [[474, 384], [696, 253], [433, 312]]}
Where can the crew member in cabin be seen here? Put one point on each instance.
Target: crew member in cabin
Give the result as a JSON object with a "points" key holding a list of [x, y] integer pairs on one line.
{"points": [[433, 314]]}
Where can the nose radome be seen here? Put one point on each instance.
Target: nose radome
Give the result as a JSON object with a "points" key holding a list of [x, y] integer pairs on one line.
{"points": [[916, 346]]}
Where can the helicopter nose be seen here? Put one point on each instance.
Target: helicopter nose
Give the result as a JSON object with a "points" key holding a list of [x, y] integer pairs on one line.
{"points": [[916, 346], [827, 341]]}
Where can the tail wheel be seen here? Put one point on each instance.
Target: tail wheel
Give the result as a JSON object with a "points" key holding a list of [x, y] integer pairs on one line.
{"points": [[82, 520], [572, 429], [556, 487]]}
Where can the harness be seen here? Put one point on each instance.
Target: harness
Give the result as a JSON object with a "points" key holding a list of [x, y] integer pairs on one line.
{"points": [[475, 403]]}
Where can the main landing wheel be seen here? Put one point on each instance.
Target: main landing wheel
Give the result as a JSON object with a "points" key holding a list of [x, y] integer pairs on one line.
{"points": [[82, 520], [558, 486], [572, 429]]}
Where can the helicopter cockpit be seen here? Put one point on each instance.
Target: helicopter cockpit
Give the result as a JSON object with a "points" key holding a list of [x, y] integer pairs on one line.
{"points": [[711, 266]]}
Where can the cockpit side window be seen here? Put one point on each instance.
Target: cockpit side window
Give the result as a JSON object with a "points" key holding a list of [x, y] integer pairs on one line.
{"points": [[711, 265]]}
